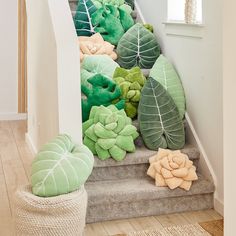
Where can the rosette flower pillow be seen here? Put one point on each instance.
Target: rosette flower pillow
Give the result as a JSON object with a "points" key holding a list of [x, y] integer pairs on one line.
{"points": [[60, 167], [109, 133], [172, 169]]}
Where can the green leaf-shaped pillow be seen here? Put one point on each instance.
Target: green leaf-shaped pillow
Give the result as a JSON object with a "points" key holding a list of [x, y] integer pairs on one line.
{"points": [[60, 167], [99, 64], [82, 18], [138, 47], [159, 121], [164, 72]]}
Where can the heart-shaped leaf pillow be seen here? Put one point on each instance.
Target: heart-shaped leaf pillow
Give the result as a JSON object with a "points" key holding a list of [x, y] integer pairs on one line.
{"points": [[60, 167]]}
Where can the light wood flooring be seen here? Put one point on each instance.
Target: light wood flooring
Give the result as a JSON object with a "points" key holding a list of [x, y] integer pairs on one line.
{"points": [[15, 161]]}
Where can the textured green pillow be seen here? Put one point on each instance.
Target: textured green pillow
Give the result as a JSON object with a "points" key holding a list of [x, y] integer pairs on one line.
{"points": [[159, 121], [82, 18], [103, 92], [60, 167], [99, 64], [109, 133], [164, 72], [111, 23], [116, 3], [131, 83], [138, 47]]}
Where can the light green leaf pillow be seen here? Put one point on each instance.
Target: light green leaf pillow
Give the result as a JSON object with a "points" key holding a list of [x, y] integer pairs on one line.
{"points": [[99, 64], [60, 167], [164, 72], [138, 47], [159, 121]]}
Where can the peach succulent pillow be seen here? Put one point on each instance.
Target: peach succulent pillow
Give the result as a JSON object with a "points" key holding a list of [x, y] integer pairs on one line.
{"points": [[95, 45], [172, 169]]}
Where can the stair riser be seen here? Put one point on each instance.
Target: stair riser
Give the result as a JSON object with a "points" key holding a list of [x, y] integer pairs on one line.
{"points": [[124, 210], [122, 172]]}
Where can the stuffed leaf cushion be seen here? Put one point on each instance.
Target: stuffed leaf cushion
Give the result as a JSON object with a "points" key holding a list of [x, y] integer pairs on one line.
{"points": [[95, 45], [112, 23], [159, 121], [82, 18], [109, 133], [60, 167], [117, 3], [131, 83], [99, 64], [103, 92], [138, 47], [164, 72]]}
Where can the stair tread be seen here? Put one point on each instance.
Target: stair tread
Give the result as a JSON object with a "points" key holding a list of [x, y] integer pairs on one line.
{"points": [[129, 190], [142, 155]]}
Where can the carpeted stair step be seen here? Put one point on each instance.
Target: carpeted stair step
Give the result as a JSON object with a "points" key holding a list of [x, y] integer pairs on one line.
{"points": [[135, 165], [128, 198]]}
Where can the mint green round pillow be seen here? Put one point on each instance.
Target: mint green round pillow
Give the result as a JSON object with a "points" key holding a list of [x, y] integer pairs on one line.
{"points": [[60, 167]]}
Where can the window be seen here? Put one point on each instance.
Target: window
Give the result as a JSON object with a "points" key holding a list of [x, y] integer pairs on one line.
{"points": [[176, 11]]}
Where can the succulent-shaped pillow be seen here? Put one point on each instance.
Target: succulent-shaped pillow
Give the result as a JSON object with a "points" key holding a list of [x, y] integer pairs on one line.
{"points": [[131, 83], [122, 4], [138, 47], [95, 45], [60, 167], [109, 133], [97, 64], [111, 23], [103, 92]]}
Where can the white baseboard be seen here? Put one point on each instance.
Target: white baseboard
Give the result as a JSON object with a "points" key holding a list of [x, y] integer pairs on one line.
{"points": [[13, 116], [219, 206], [30, 143]]}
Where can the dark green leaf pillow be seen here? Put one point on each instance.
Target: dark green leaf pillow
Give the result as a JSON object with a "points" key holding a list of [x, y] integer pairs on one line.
{"points": [[159, 121], [138, 47], [60, 167], [164, 72], [82, 18]]}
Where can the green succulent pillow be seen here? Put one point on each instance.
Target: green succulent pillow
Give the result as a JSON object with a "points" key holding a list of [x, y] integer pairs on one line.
{"points": [[99, 64], [131, 83], [109, 133], [159, 121], [138, 47], [60, 167]]}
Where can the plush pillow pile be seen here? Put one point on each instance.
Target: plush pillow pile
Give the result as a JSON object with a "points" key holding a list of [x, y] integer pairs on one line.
{"points": [[98, 64], [60, 167], [131, 83], [172, 169], [109, 133], [111, 23], [95, 45], [159, 121], [82, 18], [138, 47], [103, 92], [117, 3], [164, 72]]}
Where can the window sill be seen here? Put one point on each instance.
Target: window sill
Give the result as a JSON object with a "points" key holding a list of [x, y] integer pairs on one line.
{"points": [[182, 29]]}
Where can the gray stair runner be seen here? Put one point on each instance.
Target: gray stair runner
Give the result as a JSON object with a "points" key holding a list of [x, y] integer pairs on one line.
{"points": [[119, 190]]}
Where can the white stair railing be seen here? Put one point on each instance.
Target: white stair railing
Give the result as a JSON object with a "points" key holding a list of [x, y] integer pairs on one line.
{"points": [[54, 97]]}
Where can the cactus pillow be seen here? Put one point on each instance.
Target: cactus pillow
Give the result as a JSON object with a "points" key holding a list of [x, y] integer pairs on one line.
{"points": [[138, 47], [131, 83], [109, 133], [60, 167]]}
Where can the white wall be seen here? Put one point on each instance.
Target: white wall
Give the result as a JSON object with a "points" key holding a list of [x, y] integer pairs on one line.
{"points": [[229, 49], [199, 63], [8, 59], [53, 73]]}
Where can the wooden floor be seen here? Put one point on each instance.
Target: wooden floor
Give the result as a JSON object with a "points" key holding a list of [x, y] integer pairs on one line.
{"points": [[15, 161]]}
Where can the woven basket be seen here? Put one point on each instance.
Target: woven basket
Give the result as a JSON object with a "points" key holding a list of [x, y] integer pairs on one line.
{"points": [[56, 216]]}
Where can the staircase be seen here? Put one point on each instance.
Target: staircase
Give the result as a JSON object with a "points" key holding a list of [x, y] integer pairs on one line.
{"points": [[119, 190]]}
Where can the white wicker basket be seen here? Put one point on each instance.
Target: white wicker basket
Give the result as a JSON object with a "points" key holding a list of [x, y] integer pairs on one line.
{"points": [[63, 215]]}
